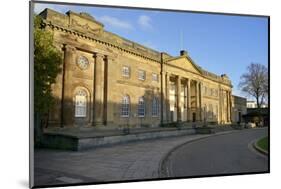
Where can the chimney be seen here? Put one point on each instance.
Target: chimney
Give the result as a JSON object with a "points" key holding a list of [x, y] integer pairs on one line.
{"points": [[183, 53]]}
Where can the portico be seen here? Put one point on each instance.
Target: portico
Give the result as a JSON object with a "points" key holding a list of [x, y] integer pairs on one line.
{"points": [[183, 99]]}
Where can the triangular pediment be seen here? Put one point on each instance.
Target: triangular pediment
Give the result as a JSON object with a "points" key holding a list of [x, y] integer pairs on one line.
{"points": [[186, 63]]}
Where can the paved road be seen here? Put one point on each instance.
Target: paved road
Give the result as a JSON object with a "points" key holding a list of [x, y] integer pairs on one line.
{"points": [[131, 161], [223, 154]]}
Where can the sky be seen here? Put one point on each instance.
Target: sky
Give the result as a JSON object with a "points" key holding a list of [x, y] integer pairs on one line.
{"points": [[221, 44]]}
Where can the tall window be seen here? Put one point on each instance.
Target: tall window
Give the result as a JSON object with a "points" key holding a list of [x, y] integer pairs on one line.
{"points": [[211, 111], [125, 106], [155, 77], [126, 71], [141, 75], [155, 107], [80, 104], [141, 107]]}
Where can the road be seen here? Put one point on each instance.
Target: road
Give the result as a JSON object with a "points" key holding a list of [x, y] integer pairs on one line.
{"points": [[222, 154]]}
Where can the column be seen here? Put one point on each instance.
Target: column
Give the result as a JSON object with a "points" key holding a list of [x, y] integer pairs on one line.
{"points": [[200, 101], [197, 102], [99, 89], [167, 97], [188, 101], [105, 89], [67, 116], [179, 105], [163, 97], [220, 105], [230, 104], [110, 81], [227, 106]]}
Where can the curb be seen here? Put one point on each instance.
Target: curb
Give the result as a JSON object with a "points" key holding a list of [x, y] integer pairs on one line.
{"points": [[259, 149]]}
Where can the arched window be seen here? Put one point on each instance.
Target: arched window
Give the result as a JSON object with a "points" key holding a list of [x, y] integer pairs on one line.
{"points": [[80, 104], [155, 107], [125, 106], [141, 107]]}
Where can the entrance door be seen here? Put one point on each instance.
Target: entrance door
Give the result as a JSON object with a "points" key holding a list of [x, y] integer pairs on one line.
{"points": [[193, 117], [239, 117]]}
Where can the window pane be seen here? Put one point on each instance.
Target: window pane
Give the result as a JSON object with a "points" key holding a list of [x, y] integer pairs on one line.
{"points": [[80, 104], [141, 107], [155, 107], [125, 106]]}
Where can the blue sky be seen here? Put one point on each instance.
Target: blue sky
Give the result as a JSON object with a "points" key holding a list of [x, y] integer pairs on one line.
{"points": [[218, 43]]}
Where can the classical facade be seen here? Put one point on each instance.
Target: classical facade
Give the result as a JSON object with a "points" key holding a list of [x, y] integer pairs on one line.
{"points": [[109, 81]]}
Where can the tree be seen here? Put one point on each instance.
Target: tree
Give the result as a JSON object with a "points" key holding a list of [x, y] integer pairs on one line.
{"points": [[255, 82], [47, 61]]}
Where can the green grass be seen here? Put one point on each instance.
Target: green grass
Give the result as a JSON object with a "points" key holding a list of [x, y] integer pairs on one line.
{"points": [[263, 143]]}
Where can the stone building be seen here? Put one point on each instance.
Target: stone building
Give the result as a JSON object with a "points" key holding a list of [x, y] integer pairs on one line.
{"points": [[239, 108], [110, 81]]}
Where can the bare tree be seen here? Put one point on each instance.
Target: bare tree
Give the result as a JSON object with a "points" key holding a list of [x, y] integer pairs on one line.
{"points": [[255, 83]]}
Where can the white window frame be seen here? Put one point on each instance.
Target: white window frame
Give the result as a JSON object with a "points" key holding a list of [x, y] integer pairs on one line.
{"points": [[125, 106], [126, 71], [155, 107], [141, 107], [81, 104], [155, 77], [141, 75]]}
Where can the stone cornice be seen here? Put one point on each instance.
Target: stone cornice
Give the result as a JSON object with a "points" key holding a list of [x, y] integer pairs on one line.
{"points": [[99, 40], [106, 42], [201, 75]]}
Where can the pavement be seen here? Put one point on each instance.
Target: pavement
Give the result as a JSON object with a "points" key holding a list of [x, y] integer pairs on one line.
{"points": [[139, 160]]}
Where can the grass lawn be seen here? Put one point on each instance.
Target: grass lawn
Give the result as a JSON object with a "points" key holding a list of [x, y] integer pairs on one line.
{"points": [[263, 143]]}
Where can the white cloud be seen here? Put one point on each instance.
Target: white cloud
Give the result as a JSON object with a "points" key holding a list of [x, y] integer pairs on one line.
{"points": [[115, 22], [145, 22]]}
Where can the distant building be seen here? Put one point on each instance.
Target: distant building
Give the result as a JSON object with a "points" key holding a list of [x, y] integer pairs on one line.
{"points": [[253, 104], [239, 108], [256, 116]]}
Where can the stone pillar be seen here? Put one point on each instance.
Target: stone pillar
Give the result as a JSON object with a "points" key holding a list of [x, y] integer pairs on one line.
{"points": [[67, 115], [179, 105], [230, 105], [188, 101], [197, 102], [105, 91], [163, 98], [168, 97], [109, 108], [223, 107], [220, 105], [200, 101], [99, 89]]}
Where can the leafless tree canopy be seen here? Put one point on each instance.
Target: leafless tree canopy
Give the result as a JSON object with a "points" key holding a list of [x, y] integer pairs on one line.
{"points": [[255, 82]]}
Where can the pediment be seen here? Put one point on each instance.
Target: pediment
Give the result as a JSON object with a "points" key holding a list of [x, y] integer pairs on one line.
{"points": [[185, 63], [84, 23]]}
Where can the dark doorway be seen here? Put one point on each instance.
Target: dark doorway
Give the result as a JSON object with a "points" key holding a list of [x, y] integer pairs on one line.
{"points": [[193, 117], [239, 117]]}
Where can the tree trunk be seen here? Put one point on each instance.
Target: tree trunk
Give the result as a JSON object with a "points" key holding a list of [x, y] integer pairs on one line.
{"points": [[38, 132]]}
